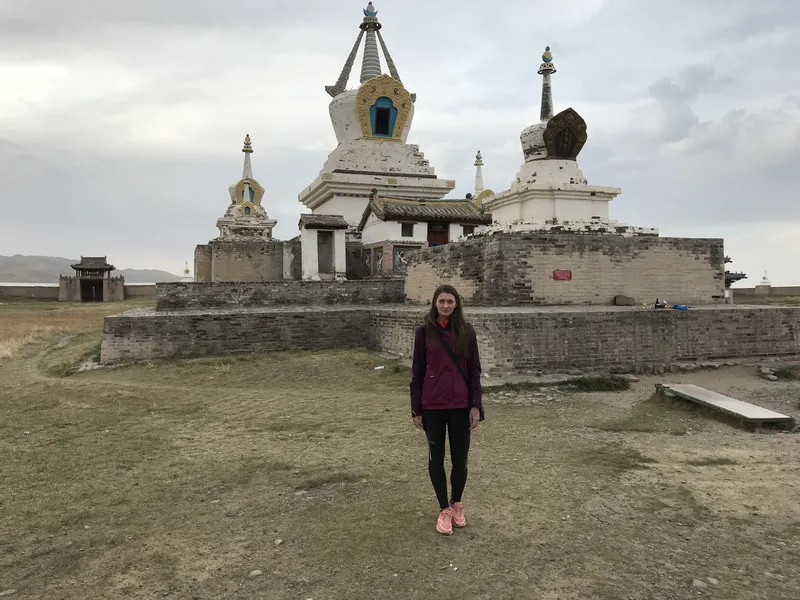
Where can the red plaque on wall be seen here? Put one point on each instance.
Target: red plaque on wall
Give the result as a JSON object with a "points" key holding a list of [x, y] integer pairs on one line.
{"points": [[562, 275]]}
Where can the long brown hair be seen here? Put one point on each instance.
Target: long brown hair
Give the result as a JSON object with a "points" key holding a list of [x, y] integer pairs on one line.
{"points": [[457, 321]]}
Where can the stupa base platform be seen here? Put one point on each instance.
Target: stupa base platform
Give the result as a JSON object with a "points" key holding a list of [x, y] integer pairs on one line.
{"points": [[511, 339]]}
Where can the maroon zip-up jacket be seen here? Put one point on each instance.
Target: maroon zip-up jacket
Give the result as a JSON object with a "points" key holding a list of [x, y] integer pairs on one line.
{"points": [[435, 380]]}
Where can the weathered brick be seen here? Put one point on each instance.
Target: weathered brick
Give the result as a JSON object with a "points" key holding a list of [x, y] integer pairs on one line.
{"points": [[232, 294], [517, 269]]}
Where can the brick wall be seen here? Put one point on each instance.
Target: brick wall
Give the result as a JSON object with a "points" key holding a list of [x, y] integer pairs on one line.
{"points": [[513, 269], [69, 289], [292, 260], [140, 291], [202, 263], [510, 340], [153, 335], [247, 261], [34, 292], [768, 290], [519, 340], [178, 296]]}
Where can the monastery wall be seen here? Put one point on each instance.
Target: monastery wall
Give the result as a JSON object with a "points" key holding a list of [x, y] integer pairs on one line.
{"points": [[511, 340], [609, 339], [202, 263], [767, 290], [131, 337], [140, 291], [247, 261], [541, 268], [233, 294], [32, 292]]}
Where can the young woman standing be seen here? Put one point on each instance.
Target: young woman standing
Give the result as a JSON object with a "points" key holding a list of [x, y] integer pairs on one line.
{"points": [[446, 398]]}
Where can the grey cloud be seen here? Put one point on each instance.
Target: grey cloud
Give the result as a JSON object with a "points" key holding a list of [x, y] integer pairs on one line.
{"points": [[675, 95]]}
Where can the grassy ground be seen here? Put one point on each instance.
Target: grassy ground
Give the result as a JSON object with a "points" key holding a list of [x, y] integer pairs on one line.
{"points": [[298, 475]]}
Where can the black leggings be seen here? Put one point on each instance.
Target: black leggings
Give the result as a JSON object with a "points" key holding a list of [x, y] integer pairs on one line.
{"points": [[456, 423]]}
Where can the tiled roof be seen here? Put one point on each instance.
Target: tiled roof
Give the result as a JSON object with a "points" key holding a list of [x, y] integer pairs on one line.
{"points": [[450, 211], [93, 262], [323, 222]]}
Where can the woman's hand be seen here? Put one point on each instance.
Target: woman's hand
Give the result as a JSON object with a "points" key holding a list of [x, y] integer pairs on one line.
{"points": [[474, 417], [417, 422]]}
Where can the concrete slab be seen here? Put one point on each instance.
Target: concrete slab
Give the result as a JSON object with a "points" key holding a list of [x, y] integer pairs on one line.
{"points": [[744, 410]]}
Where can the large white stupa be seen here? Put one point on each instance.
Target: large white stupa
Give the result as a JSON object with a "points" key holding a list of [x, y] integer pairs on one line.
{"points": [[550, 189], [372, 123]]}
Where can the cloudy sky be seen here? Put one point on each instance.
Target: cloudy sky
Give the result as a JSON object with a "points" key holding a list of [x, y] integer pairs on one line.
{"points": [[121, 121]]}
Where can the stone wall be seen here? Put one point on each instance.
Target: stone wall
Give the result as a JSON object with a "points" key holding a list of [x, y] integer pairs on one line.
{"points": [[69, 289], [202, 263], [181, 296], [33, 292], [518, 269], [766, 290], [520, 340], [113, 289], [247, 261], [511, 340], [140, 291], [148, 334]]}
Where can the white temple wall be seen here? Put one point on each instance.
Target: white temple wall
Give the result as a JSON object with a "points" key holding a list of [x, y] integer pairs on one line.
{"points": [[350, 207]]}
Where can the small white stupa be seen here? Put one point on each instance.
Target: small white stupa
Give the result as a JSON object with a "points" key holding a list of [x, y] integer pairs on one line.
{"points": [[372, 123], [480, 194], [765, 282], [245, 216], [550, 190], [187, 276]]}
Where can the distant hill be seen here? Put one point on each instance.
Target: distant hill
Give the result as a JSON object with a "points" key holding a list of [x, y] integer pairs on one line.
{"points": [[46, 269]]}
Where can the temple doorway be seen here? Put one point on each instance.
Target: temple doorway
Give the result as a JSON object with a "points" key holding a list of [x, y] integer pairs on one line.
{"points": [[91, 290], [326, 254], [437, 234]]}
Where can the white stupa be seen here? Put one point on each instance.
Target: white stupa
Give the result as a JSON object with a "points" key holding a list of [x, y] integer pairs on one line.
{"points": [[187, 274], [245, 217], [372, 123], [550, 189]]}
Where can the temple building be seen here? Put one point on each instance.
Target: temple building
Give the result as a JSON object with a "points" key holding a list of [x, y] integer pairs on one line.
{"points": [[92, 282], [372, 123], [391, 227]]}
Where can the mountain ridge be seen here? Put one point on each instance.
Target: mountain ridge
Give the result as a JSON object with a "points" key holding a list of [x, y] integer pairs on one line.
{"points": [[47, 269]]}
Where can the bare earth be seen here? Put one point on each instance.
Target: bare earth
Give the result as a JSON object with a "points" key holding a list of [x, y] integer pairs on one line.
{"points": [[298, 475]]}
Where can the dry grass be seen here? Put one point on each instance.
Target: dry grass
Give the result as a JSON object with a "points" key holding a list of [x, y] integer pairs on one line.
{"points": [[25, 322], [177, 479]]}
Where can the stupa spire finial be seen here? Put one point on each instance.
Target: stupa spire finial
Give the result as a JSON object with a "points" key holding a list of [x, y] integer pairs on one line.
{"points": [[247, 172], [546, 69], [478, 173], [371, 65]]}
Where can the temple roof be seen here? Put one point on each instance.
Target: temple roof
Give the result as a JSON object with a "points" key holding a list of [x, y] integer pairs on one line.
{"points": [[397, 209], [93, 263], [323, 222]]}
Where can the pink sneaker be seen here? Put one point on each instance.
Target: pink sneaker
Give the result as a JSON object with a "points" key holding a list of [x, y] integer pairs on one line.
{"points": [[459, 520], [445, 523]]}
